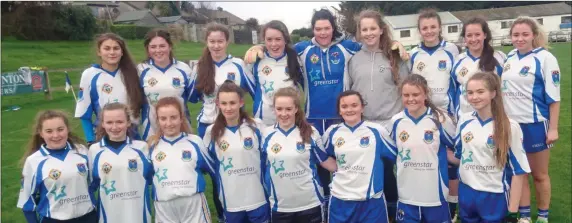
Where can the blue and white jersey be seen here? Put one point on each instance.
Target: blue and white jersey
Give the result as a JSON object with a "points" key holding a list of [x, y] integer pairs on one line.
{"points": [[122, 177], [325, 74], [178, 164], [236, 161], [171, 81], [475, 148], [435, 66], [230, 68], [57, 185], [530, 83], [465, 66], [420, 146], [270, 74], [358, 151], [290, 173]]}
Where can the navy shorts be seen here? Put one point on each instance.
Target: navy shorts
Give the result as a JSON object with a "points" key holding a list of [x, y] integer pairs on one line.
{"points": [[373, 210], [258, 215], [479, 206], [534, 136], [407, 213], [312, 215]]}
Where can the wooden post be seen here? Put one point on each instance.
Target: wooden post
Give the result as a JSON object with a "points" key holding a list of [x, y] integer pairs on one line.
{"points": [[48, 90]]}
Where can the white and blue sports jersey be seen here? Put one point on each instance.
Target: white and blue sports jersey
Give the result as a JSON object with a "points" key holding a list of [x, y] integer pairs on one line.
{"points": [[270, 74], [419, 147], [476, 150], [122, 177], [57, 186], [236, 161], [530, 83], [465, 66], [435, 66], [358, 151], [230, 68], [171, 81], [290, 173], [325, 74], [178, 164]]}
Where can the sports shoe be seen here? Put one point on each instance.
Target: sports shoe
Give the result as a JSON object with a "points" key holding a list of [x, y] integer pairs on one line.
{"points": [[524, 220], [454, 219], [541, 220]]}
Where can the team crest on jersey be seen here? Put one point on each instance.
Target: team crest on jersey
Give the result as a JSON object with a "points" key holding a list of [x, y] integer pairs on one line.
{"points": [[314, 58], [335, 58], [55, 174], [160, 156], [248, 143], [506, 68], [176, 82], [442, 65], [400, 214], [340, 142], [420, 66], [428, 137], [468, 137], [403, 136], [276, 148], [490, 142], [152, 82], [266, 70], [106, 168], [524, 71], [463, 71], [81, 169], [231, 76], [107, 88], [224, 145], [364, 141], [132, 165], [556, 77], [300, 147], [186, 156]]}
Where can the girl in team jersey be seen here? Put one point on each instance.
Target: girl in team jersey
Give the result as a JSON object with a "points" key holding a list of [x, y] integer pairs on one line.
{"points": [[161, 75], [358, 146], [114, 80], [178, 184], [420, 137], [233, 152], [291, 150], [433, 59], [120, 171], [493, 164], [278, 69], [531, 86], [480, 56], [55, 176]]}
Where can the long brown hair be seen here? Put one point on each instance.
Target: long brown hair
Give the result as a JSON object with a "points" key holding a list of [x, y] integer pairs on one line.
{"points": [[501, 129], [430, 13], [37, 141], [206, 68], [385, 41], [158, 32], [100, 131], [420, 82], [164, 102], [540, 38], [300, 117], [128, 73], [220, 122], [294, 70], [349, 93], [487, 61]]}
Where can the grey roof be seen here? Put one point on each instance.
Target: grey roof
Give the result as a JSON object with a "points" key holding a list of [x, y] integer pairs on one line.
{"points": [[97, 3], [169, 19], [410, 21], [514, 12], [132, 16], [232, 19]]}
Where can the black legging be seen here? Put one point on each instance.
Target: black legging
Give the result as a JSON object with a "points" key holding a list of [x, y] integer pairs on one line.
{"points": [[389, 186], [218, 205]]}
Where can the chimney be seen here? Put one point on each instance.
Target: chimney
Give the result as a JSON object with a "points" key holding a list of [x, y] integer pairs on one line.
{"points": [[220, 9]]}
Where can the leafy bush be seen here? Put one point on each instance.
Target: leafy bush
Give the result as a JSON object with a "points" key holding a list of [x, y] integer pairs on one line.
{"points": [[74, 23], [131, 31]]}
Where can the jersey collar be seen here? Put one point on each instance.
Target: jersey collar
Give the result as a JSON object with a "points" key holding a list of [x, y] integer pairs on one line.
{"points": [[471, 56], [118, 150], [218, 64], [416, 120], [355, 127], [44, 151], [276, 58], [287, 132], [152, 63], [183, 134], [112, 73], [432, 50], [483, 123]]}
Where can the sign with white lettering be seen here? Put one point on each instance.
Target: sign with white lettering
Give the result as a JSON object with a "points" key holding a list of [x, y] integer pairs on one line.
{"points": [[25, 80]]}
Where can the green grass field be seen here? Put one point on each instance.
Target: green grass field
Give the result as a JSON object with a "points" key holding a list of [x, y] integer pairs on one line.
{"points": [[16, 125]]}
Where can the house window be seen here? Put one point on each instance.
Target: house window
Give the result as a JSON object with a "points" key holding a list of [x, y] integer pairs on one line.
{"points": [[405, 33], [540, 21], [566, 19], [506, 24], [452, 29]]}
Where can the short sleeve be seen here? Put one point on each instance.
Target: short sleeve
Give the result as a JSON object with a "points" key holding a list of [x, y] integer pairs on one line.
{"points": [[83, 108], [551, 72], [448, 131], [26, 198], [327, 141], [247, 81], [208, 150], [194, 95], [318, 150], [517, 160]]}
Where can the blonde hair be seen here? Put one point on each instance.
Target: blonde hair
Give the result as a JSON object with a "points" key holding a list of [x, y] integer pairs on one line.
{"points": [[164, 102], [540, 38], [99, 130]]}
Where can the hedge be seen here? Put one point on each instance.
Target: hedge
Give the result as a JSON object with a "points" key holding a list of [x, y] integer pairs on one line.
{"points": [[131, 31]]}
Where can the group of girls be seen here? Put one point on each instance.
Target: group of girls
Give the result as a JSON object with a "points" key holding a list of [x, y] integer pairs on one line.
{"points": [[276, 166]]}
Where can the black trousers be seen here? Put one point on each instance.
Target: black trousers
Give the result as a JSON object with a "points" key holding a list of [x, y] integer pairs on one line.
{"points": [[218, 205], [313, 215], [390, 187], [90, 217]]}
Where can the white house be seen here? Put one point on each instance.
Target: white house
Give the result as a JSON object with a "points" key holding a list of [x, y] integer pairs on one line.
{"points": [[404, 28], [552, 17]]}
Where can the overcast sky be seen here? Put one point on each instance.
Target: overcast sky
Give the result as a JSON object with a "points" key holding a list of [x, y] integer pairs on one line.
{"points": [[294, 14]]}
